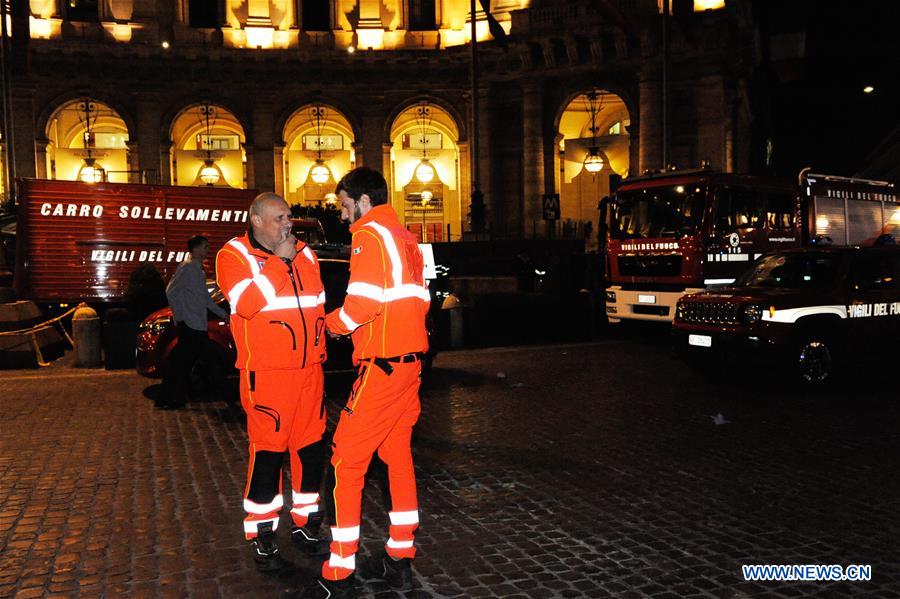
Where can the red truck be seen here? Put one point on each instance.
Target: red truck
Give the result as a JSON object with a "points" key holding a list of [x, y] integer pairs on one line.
{"points": [[676, 233], [81, 241]]}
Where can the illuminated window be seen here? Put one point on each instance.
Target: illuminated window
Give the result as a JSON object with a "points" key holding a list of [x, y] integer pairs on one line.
{"points": [[82, 10], [316, 15], [204, 14], [218, 142], [616, 129], [422, 15]]}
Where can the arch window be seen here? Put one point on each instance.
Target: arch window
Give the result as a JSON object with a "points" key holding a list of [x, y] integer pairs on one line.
{"points": [[208, 148], [318, 152], [88, 140]]}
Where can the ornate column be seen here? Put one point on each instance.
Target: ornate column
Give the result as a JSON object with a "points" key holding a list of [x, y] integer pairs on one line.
{"points": [[278, 157], [40, 157], [151, 156], [650, 127], [132, 159], [263, 148], [532, 155], [165, 163]]}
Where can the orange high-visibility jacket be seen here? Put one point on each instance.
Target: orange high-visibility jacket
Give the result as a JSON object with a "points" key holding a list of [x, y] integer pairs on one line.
{"points": [[277, 310], [387, 296]]}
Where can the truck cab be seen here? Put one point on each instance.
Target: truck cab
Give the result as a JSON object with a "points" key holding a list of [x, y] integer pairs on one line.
{"points": [[675, 233]]}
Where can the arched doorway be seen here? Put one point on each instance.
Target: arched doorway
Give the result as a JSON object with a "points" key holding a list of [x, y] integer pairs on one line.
{"points": [[425, 172], [318, 152], [88, 141], [208, 148], [592, 143]]}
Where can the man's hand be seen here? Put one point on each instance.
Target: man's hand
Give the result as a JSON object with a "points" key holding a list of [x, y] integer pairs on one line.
{"points": [[287, 247]]}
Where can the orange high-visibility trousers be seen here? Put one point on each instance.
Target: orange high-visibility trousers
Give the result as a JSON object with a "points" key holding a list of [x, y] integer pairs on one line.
{"points": [[379, 416], [285, 411]]}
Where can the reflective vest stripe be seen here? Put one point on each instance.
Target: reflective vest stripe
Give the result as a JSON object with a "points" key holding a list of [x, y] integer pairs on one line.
{"points": [[391, 247], [291, 301], [348, 563], [251, 507], [390, 294], [345, 535], [303, 498], [251, 526], [348, 322], [306, 510], [399, 544], [401, 518]]}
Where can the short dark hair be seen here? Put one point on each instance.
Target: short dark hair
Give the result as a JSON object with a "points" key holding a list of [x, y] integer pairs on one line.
{"points": [[196, 241], [364, 180]]}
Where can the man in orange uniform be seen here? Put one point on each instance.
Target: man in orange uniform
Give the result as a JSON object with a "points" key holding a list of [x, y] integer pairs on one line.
{"points": [[273, 284], [384, 311]]}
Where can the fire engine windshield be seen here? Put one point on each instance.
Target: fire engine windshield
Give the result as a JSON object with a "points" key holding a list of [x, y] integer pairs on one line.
{"points": [[668, 211], [792, 271]]}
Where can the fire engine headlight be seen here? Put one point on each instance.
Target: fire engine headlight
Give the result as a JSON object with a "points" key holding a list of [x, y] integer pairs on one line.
{"points": [[752, 313], [611, 297]]}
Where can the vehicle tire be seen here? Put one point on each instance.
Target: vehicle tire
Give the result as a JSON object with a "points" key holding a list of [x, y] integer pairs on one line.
{"points": [[815, 361]]}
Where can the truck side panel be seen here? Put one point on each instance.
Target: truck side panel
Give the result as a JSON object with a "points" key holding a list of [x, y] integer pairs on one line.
{"points": [[81, 242]]}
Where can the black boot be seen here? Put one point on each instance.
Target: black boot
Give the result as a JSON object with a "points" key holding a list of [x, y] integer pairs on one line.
{"points": [[265, 550], [328, 589], [309, 542], [396, 572]]}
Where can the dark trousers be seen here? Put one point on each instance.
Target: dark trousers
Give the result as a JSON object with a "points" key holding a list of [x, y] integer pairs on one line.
{"points": [[193, 346]]}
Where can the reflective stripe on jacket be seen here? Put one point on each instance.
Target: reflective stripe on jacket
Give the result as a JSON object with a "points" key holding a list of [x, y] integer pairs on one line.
{"points": [[387, 297], [277, 310]]}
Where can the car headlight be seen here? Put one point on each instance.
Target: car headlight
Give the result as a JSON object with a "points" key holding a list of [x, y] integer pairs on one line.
{"points": [[156, 326], [679, 311], [752, 313]]}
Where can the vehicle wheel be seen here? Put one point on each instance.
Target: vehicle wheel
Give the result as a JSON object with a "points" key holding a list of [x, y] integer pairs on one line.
{"points": [[815, 361]]}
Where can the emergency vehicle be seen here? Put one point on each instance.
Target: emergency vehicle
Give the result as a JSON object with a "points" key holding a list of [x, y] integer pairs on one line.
{"points": [[809, 311], [676, 233], [80, 241]]}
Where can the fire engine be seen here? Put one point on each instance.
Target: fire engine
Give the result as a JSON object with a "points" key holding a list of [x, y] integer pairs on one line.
{"points": [[676, 233]]}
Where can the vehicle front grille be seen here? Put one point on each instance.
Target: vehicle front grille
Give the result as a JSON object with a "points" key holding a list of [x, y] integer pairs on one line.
{"points": [[650, 265], [708, 312]]}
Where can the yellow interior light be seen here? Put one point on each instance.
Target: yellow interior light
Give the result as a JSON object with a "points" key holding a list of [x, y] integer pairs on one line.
{"points": [[771, 311]]}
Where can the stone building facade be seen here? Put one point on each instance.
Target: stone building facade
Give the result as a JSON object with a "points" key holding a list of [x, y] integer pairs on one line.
{"points": [[264, 91]]}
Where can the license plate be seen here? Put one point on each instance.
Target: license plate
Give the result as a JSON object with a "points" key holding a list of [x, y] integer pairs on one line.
{"points": [[700, 340], [646, 299]]}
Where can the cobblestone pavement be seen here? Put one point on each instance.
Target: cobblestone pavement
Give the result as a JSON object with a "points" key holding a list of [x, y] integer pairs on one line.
{"points": [[593, 470]]}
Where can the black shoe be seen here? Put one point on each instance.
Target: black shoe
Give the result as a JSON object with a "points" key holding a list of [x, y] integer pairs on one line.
{"points": [[309, 542], [265, 550], [328, 589], [396, 572]]}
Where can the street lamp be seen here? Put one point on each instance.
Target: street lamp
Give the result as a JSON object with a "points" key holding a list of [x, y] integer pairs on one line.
{"points": [[209, 174], [91, 171], [593, 162], [319, 173], [424, 172]]}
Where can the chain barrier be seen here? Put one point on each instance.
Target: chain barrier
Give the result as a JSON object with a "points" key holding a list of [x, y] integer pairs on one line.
{"points": [[32, 332]]}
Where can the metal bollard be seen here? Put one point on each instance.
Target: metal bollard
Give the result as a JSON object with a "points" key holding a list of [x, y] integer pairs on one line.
{"points": [[452, 303], [86, 335]]}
